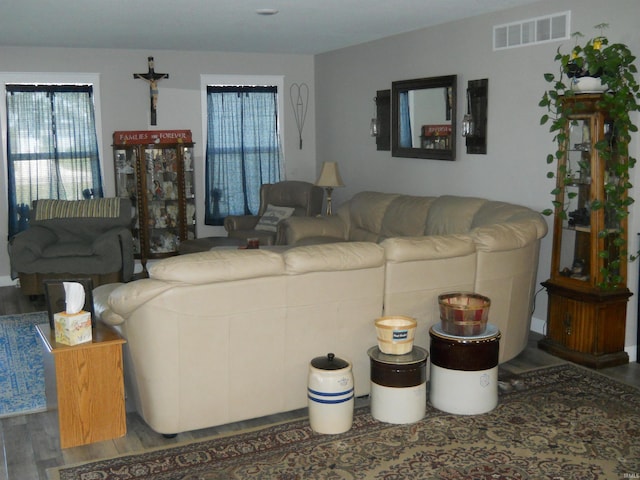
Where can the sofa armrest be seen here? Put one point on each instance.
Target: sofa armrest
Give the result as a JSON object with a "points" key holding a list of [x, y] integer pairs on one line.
{"points": [[119, 240], [240, 222], [409, 249], [126, 298], [295, 229]]}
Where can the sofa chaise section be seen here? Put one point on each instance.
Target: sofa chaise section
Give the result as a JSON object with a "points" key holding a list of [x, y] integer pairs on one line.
{"points": [[227, 335]]}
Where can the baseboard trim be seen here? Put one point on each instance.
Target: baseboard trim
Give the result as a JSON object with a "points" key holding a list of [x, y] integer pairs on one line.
{"points": [[7, 281]]}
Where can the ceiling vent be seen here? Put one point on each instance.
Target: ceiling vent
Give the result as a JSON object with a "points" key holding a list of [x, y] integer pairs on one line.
{"points": [[532, 31]]}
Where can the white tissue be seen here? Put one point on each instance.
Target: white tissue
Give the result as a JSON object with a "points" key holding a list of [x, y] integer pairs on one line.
{"points": [[73, 296]]}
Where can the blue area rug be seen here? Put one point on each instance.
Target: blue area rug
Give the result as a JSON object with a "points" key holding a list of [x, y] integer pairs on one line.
{"points": [[21, 365]]}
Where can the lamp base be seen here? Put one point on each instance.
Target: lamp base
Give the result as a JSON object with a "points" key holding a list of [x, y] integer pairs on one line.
{"points": [[329, 192]]}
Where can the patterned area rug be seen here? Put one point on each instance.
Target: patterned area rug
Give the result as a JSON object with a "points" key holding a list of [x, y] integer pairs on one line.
{"points": [[562, 422], [21, 365]]}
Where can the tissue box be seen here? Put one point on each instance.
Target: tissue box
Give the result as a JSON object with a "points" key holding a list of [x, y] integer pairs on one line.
{"points": [[73, 328]]}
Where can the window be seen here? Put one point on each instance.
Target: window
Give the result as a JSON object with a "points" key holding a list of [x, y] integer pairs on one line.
{"points": [[243, 149], [52, 147]]}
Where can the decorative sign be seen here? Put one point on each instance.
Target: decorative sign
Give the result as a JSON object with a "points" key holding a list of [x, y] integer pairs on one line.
{"points": [[436, 130], [148, 137]]}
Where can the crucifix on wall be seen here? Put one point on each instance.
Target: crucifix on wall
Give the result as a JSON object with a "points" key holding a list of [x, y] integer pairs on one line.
{"points": [[152, 77]]}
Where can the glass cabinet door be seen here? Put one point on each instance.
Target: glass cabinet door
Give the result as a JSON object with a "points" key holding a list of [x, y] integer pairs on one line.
{"points": [[126, 160], [586, 229], [155, 170], [577, 222], [163, 206], [189, 193]]}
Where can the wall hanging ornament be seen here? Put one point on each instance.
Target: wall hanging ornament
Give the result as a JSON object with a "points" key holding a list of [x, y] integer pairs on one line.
{"points": [[152, 77], [299, 95]]}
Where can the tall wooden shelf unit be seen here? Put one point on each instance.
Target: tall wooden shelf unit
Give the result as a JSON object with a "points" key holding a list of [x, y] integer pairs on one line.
{"points": [[155, 170], [585, 324]]}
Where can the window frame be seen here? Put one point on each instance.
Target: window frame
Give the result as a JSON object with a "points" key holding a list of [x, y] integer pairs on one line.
{"points": [[45, 79], [244, 81]]}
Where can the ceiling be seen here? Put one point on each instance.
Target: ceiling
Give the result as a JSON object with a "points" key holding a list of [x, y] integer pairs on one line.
{"points": [[299, 27]]}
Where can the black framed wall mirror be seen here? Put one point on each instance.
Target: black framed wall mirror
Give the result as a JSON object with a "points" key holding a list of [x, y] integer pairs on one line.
{"points": [[423, 118]]}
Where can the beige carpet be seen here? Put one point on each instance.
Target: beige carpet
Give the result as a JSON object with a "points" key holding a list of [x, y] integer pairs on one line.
{"points": [[562, 422]]}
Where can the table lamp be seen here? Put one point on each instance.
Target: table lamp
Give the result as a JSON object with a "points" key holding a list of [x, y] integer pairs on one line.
{"points": [[329, 179]]}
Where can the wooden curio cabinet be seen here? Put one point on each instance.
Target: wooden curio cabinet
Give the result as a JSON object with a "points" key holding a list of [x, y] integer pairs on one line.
{"points": [[585, 322], [155, 170]]}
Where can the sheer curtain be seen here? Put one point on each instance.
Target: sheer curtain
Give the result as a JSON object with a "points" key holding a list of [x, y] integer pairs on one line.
{"points": [[243, 149], [52, 147]]}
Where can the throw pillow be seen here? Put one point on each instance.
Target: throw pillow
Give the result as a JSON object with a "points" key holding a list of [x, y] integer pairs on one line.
{"points": [[272, 215]]}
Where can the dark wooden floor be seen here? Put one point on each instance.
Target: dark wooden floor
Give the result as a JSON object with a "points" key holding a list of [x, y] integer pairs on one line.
{"points": [[29, 443]]}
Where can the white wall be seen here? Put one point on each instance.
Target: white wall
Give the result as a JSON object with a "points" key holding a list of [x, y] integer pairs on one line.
{"points": [[514, 168], [337, 123], [125, 103]]}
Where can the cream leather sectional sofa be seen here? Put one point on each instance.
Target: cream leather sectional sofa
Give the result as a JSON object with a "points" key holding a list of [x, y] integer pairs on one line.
{"points": [[440, 244], [226, 335]]}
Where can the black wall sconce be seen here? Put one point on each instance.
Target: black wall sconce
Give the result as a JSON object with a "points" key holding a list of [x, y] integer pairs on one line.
{"points": [[474, 124], [381, 124]]}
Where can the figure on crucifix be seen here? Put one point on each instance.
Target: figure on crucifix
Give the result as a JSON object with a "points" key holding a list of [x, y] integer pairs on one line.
{"points": [[152, 77]]}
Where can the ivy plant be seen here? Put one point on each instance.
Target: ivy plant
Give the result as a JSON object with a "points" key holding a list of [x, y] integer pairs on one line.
{"points": [[614, 64]]}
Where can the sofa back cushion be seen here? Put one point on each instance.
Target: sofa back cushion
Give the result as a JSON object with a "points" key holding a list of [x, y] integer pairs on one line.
{"points": [[452, 214], [405, 216], [366, 212], [82, 220], [47, 209]]}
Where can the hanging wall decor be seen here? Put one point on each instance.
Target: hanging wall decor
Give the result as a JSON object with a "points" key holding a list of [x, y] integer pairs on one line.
{"points": [[152, 77], [383, 116], [299, 95], [477, 100]]}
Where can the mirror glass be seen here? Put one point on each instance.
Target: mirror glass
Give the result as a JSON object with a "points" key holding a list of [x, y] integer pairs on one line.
{"points": [[423, 118]]}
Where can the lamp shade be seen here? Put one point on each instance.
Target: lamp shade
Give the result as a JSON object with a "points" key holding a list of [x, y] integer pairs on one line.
{"points": [[330, 176]]}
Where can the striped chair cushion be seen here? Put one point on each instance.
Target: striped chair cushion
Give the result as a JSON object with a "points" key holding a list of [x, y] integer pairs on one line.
{"points": [[93, 208]]}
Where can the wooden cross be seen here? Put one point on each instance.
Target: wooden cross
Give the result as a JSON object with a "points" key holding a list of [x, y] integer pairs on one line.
{"points": [[152, 77]]}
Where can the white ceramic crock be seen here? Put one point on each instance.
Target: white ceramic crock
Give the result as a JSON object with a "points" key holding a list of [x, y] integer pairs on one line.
{"points": [[330, 393]]}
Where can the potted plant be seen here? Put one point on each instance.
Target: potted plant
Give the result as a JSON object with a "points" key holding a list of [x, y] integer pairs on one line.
{"points": [[613, 64]]}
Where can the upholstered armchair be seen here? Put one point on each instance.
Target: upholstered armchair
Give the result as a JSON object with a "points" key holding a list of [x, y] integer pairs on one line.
{"points": [[74, 239], [277, 202]]}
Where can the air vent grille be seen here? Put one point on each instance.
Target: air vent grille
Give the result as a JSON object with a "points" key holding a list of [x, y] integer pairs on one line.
{"points": [[532, 31]]}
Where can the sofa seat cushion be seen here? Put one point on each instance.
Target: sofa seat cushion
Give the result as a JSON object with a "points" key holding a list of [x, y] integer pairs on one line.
{"points": [[70, 249], [505, 236], [218, 265], [409, 249], [333, 256]]}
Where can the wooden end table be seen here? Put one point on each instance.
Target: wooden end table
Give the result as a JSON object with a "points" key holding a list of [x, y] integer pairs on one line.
{"points": [[86, 380]]}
